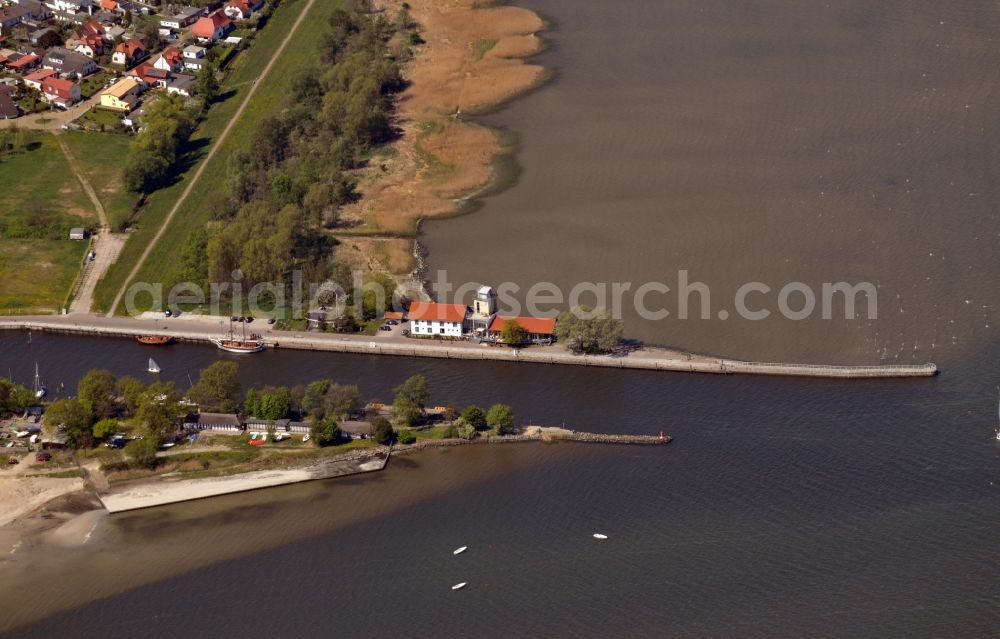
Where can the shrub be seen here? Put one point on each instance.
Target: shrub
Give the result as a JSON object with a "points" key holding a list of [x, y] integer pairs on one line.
{"points": [[475, 417], [406, 436]]}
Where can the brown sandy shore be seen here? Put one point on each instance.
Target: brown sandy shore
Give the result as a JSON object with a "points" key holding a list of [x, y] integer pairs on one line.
{"points": [[473, 59], [203, 328]]}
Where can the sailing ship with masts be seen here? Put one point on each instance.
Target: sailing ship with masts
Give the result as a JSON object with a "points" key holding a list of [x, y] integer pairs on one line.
{"points": [[242, 343]]}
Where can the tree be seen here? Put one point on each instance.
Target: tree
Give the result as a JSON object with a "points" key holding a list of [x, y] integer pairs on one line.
{"points": [[130, 390], [97, 393], [251, 403], [14, 398], [312, 401], [342, 400], [406, 436], [404, 413], [105, 428], [512, 334], [74, 418], [159, 409], [217, 385], [324, 431], [208, 84], [500, 417], [275, 403], [466, 431], [583, 330], [415, 391], [474, 416], [382, 430], [142, 452]]}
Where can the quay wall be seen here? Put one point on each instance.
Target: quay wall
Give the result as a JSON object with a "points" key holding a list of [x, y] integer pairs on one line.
{"points": [[643, 359]]}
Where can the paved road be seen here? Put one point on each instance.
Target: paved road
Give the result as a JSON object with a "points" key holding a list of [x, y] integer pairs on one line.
{"points": [[54, 119], [211, 154]]}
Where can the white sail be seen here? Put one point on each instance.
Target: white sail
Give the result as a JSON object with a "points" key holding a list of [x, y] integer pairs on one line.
{"points": [[153, 366]]}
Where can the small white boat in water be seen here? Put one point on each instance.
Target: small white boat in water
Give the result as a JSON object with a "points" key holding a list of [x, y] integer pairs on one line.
{"points": [[153, 366], [458, 586], [600, 536], [459, 551]]}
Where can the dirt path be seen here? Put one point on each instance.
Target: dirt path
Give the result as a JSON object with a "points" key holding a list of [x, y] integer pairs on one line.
{"points": [[52, 120], [211, 153], [106, 246]]}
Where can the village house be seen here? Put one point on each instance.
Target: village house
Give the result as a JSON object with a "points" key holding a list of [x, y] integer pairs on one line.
{"points": [[122, 96], [194, 57], [12, 16], [36, 9], [129, 52], [150, 75], [212, 28], [170, 59], [213, 421], [242, 9], [181, 84], [445, 320], [68, 62], [538, 330], [60, 92], [184, 16], [20, 63], [8, 108], [71, 6], [89, 44], [34, 80]]}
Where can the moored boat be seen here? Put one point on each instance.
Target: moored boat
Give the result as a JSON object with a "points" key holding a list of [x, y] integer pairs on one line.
{"points": [[458, 586], [459, 551], [232, 343], [155, 340]]}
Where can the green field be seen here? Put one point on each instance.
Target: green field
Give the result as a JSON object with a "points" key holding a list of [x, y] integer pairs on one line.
{"points": [[40, 200], [271, 96], [100, 157], [36, 275]]}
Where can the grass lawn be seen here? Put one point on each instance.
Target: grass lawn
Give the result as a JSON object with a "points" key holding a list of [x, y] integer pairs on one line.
{"points": [[40, 179], [100, 157], [36, 275], [271, 95]]}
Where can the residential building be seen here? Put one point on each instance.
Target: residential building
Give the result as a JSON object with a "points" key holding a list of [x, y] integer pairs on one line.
{"points": [[129, 52], [185, 16], [170, 59], [36, 9], [60, 92], [21, 63], [538, 330], [45, 37], [484, 307], [194, 57], [71, 6], [8, 108], [90, 45], [34, 80], [68, 62], [122, 96], [444, 320], [242, 9], [12, 16], [213, 421], [182, 84], [212, 28]]}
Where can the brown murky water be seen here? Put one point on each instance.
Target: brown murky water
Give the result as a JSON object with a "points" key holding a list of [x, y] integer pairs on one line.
{"points": [[773, 141]]}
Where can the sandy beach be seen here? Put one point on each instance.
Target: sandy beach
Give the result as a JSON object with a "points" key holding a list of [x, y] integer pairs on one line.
{"points": [[21, 495]]}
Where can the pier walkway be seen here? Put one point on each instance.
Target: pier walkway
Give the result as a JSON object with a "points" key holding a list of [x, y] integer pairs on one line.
{"points": [[197, 328]]}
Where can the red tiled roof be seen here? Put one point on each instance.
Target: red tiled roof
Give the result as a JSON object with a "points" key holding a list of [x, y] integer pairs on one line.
{"points": [[205, 27], [26, 61], [58, 86], [430, 311], [109, 5], [171, 55], [535, 325], [393, 315], [130, 47], [38, 76]]}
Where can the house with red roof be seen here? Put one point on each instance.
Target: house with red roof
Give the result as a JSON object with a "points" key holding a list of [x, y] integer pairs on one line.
{"points": [[24, 62], [538, 330], [443, 320], [169, 60], [90, 44], [34, 80], [150, 75], [212, 28], [60, 92], [242, 9], [128, 52]]}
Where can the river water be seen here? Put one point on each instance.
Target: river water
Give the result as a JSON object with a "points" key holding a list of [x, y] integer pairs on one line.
{"points": [[774, 141]]}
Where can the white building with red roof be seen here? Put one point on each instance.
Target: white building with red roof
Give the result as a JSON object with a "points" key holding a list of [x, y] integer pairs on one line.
{"points": [[60, 92], [536, 329], [213, 27], [444, 320]]}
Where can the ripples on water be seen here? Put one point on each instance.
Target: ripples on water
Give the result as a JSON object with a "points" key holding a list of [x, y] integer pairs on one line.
{"points": [[775, 141]]}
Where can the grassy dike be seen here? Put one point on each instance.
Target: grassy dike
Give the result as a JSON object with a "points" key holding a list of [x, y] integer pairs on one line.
{"points": [[271, 96]]}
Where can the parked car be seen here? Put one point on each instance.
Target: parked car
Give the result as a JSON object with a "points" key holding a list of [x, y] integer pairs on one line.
{"points": [[12, 461], [392, 322], [271, 320], [168, 313], [43, 457], [384, 328], [405, 332]]}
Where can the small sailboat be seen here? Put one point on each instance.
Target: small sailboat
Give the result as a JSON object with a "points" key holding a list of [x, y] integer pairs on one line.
{"points": [[459, 551], [600, 536], [40, 390], [153, 366], [458, 586]]}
